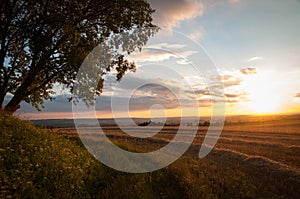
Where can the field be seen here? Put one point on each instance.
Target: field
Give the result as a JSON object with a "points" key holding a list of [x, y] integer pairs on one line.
{"points": [[255, 157], [265, 151]]}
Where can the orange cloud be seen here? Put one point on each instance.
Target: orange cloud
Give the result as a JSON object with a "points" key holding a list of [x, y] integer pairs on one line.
{"points": [[169, 13], [248, 71], [297, 95]]}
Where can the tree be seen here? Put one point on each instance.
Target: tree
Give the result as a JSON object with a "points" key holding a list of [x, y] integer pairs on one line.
{"points": [[45, 42]]}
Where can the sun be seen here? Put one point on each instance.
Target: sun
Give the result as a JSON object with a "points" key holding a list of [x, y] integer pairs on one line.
{"points": [[264, 96], [263, 101]]}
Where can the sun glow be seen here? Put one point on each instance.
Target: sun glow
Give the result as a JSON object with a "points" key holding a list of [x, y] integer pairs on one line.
{"points": [[264, 96], [263, 101]]}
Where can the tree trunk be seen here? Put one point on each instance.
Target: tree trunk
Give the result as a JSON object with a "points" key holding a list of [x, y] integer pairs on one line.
{"points": [[14, 104], [1, 100]]}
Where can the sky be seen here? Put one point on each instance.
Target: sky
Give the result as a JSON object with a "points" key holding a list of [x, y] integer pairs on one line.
{"points": [[251, 47]]}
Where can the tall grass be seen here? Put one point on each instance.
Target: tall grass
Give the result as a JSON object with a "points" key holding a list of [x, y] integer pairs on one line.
{"points": [[38, 163]]}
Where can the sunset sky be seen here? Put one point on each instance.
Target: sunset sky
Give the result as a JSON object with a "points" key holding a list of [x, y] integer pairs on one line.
{"points": [[254, 45]]}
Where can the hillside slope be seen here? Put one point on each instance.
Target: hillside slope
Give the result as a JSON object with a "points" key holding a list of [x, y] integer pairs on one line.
{"points": [[37, 163]]}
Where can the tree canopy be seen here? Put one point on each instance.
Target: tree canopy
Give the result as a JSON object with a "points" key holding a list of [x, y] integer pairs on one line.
{"points": [[45, 42]]}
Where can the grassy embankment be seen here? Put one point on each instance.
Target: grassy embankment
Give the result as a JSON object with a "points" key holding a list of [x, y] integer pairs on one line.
{"points": [[38, 163]]}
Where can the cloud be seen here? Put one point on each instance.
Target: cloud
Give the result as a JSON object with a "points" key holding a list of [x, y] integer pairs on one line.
{"points": [[159, 90], [103, 103], [131, 82], [166, 46], [210, 3], [248, 71], [196, 35], [151, 55], [183, 62], [236, 97], [60, 104], [233, 1], [169, 13], [228, 95], [136, 103], [255, 59], [232, 87], [166, 92], [205, 102], [297, 95], [228, 80], [161, 52]]}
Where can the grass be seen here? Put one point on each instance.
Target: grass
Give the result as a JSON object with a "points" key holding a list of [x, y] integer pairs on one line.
{"points": [[37, 163]]}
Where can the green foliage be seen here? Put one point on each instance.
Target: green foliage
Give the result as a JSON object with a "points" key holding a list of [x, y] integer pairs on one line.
{"points": [[37, 163], [45, 42]]}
